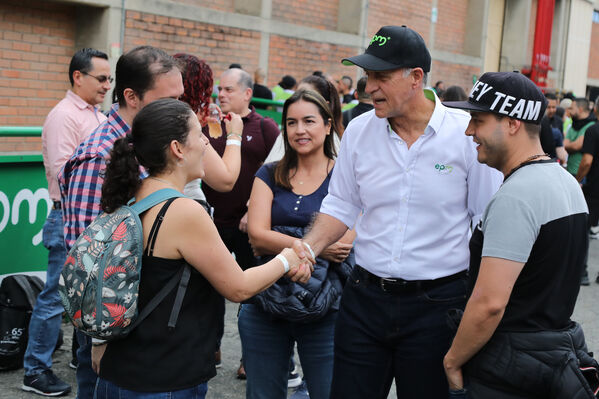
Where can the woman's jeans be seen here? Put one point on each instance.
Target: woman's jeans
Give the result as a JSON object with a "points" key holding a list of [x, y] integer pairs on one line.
{"points": [[268, 343], [107, 390], [46, 317]]}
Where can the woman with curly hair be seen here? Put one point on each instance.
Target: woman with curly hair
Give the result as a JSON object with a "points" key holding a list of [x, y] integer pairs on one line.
{"points": [[221, 173]]}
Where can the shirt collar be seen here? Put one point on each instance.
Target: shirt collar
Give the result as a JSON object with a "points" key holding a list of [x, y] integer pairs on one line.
{"points": [[434, 123], [436, 119], [115, 120], [78, 101]]}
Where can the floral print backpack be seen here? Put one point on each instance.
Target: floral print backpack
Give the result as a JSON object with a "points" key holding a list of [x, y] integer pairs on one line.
{"points": [[100, 279]]}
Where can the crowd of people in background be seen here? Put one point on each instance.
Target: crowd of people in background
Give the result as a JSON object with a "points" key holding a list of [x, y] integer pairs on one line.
{"points": [[352, 153]]}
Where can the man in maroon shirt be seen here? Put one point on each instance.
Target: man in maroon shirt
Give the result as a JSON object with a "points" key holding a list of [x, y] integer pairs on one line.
{"points": [[258, 136]]}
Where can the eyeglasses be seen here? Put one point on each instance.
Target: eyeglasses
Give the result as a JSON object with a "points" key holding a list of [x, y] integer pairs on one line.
{"points": [[101, 78]]}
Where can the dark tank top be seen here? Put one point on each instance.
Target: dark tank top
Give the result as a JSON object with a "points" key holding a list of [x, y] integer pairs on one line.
{"points": [[154, 358]]}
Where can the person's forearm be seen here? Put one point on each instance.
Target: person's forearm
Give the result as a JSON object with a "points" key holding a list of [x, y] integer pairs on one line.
{"points": [[222, 173], [324, 231], [476, 328], [268, 242], [583, 169]]}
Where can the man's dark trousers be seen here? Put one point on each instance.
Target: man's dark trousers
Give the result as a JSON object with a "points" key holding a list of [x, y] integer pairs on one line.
{"points": [[380, 335]]}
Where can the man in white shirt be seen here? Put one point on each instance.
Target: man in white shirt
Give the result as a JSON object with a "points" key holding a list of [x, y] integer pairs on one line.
{"points": [[410, 170]]}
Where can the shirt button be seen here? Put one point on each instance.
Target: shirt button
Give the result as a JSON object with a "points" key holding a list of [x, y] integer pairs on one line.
{"points": [[396, 259], [301, 196], [297, 202], [295, 209]]}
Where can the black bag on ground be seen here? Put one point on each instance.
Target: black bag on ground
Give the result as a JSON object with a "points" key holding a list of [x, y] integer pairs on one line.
{"points": [[18, 294]]}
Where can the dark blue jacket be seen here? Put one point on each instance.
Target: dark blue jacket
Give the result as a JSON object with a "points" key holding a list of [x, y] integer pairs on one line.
{"points": [[305, 302]]}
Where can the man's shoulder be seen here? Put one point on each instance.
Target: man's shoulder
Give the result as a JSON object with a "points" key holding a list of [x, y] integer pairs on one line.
{"points": [[100, 141]]}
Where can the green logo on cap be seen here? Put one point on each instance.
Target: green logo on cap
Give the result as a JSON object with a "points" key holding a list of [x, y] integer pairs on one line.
{"points": [[381, 39]]}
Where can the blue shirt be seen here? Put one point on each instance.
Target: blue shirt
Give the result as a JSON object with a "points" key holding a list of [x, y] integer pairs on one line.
{"points": [[288, 208]]}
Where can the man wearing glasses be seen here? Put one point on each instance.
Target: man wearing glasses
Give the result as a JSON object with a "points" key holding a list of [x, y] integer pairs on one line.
{"points": [[67, 124]]}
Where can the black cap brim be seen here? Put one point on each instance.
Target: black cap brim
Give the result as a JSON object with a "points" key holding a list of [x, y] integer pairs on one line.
{"points": [[466, 105], [369, 62]]}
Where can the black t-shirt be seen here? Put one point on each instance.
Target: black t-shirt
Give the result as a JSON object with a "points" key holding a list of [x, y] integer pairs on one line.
{"points": [[537, 217], [261, 91], [547, 141], [591, 146]]}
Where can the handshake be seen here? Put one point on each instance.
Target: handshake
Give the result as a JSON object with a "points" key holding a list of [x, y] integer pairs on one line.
{"points": [[300, 259]]}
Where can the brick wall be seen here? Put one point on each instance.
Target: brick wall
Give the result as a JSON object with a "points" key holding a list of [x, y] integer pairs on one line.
{"points": [[450, 29], [594, 53], [314, 13], [221, 5], [414, 14], [453, 74], [36, 45], [300, 58], [219, 46]]}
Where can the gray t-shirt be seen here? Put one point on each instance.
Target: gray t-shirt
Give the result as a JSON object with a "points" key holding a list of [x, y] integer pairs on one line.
{"points": [[538, 217]]}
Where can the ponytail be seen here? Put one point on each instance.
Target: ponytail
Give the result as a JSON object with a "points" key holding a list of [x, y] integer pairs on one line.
{"points": [[121, 180]]}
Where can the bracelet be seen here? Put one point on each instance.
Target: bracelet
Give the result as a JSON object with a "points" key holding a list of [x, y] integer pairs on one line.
{"points": [[309, 249], [234, 142], [284, 261], [234, 134]]}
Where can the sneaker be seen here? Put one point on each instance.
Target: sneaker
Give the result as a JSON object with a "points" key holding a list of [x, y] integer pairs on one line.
{"points": [[74, 363], [217, 359], [584, 280], [46, 384], [301, 392], [294, 380], [594, 232], [241, 372]]}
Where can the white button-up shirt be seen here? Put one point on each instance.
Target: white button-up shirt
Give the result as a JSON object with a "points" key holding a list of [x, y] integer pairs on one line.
{"points": [[417, 203]]}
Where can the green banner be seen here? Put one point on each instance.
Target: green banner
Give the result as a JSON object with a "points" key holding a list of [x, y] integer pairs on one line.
{"points": [[24, 206]]}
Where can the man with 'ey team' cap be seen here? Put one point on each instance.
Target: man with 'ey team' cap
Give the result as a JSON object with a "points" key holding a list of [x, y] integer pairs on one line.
{"points": [[408, 168], [516, 338]]}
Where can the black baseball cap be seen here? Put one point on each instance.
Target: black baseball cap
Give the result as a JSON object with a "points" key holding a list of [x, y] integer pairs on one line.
{"points": [[505, 93], [393, 47]]}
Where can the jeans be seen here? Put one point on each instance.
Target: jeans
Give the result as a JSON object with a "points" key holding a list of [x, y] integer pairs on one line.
{"points": [[86, 376], [107, 390], [46, 317], [382, 335], [267, 346]]}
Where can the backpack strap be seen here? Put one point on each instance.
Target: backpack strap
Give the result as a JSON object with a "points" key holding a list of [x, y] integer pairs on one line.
{"points": [[182, 277], [159, 297], [37, 282], [183, 283], [154, 199], [23, 282], [155, 227]]}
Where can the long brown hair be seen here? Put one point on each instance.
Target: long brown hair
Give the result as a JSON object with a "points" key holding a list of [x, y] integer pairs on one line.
{"points": [[289, 160]]}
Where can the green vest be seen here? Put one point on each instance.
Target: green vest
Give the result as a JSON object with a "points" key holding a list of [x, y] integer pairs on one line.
{"points": [[574, 159]]}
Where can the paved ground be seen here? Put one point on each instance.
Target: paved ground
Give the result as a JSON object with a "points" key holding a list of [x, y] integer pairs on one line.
{"points": [[226, 386]]}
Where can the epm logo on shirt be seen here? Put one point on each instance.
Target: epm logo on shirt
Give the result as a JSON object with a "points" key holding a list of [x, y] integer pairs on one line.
{"points": [[443, 169]]}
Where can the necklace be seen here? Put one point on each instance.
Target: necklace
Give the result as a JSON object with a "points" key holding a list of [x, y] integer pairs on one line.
{"points": [[162, 181], [525, 162]]}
